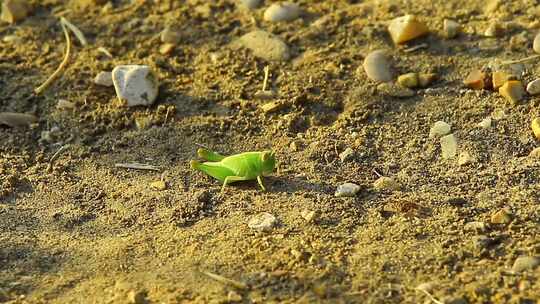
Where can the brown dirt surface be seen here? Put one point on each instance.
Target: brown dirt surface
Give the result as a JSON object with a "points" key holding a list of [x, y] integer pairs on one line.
{"points": [[80, 230]]}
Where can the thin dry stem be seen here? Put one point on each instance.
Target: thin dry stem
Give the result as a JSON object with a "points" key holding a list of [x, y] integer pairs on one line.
{"points": [[62, 65], [521, 60]]}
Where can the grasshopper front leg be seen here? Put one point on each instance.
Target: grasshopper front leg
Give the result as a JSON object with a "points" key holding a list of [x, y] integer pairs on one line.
{"points": [[230, 179], [259, 180]]}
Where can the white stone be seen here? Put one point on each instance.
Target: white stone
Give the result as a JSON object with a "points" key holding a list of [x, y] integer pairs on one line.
{"points": [[536, 43], [465, 158], [284, 11], [263, 221], [440, 128], [485, 123], [265, 45], [377, 66], [448, 146], [347, 190], [104, 79], [135, 84], [451, 28], [533, 87]]}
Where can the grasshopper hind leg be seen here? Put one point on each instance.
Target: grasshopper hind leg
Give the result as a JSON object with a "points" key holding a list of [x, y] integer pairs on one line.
{"points": [[209, 155]]}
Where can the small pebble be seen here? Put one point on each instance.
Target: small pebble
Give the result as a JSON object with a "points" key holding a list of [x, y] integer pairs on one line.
{"points": [[476, 80], [169, 35], [234, 297], [263, 221], [166, 48], [346, 155], [17, 119], [104, 79], [158, 185], [385, 183], [465, 158], [494, 30], [14, 10], [533, 88], [425, 79], [283, 11], [536, 43], [271, 107], [310, 215], [265, 45], [65, 105], [440, 128], [499, 78], [451, 28], [485, 123], [448, 146], [251, 4], [135, 84], [377, 66], [12, 39], [535, 153], [513, 91], [394, 90], [347, 190], [405, 28], [409, 80], [535, 126], [526, 263], [502, 216], [479, 227]]}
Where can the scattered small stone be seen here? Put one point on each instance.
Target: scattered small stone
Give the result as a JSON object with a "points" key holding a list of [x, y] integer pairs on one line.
{"points": [[251, 4], [169, 35], [265, 95], [394, 90], [425, 79], [535, 126], [158, 185], [535, 153], [405, 28], [17, 119], [265, 45], [499, 78], [502, 216], [284, 11], [385, 183], [166, 48], [533, 88], [346, 155], [65, 105], [234, 297], [485, 123], [12, 39], [14, 10], [377, 66], [263, 221], [465, 158], [448, 146], [310, 215], [347, 190], [451, 28], [439, 128], [135, 84], [409, 80], [476, 80], [513, 91], [136, 297], [104, 79], [536, 43], [494, 30], [526, 263], [272, 107], [479, 227]]}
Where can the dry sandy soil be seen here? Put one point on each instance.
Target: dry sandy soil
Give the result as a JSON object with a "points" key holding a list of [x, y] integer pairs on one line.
{"points": [[84, 231]]}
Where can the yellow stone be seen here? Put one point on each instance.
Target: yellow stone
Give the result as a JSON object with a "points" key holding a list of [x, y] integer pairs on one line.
{"points": [[14, 10], [158, 185], [271, 107], [405, 28], [425, 79], [513, 91], [475, 80], [386, 183], [502, 216], [535, 126], [535, 153], [498, 79], [166, 48], [409, 80]]}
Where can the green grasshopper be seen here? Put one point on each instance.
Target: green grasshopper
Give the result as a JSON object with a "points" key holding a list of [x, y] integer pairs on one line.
{"points": [[238, 167]]}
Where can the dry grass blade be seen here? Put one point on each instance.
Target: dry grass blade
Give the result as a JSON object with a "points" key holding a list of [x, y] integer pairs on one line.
{"points": [[521, 60], [62, 65], [224, 280], [432, 298], [76, 31], [136, 166]]}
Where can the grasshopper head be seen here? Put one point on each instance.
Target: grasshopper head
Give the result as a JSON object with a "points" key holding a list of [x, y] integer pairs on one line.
{"points": [[268, 161]]}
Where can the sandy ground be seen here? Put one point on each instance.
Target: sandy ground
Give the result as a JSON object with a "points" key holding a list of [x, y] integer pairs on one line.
{"points": [[84, 231]]}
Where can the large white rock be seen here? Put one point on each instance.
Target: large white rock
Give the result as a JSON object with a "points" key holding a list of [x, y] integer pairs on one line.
{"points": [[135, 84]]}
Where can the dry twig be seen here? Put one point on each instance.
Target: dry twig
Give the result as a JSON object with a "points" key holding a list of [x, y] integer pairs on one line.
{"points": [[62, 65]]}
